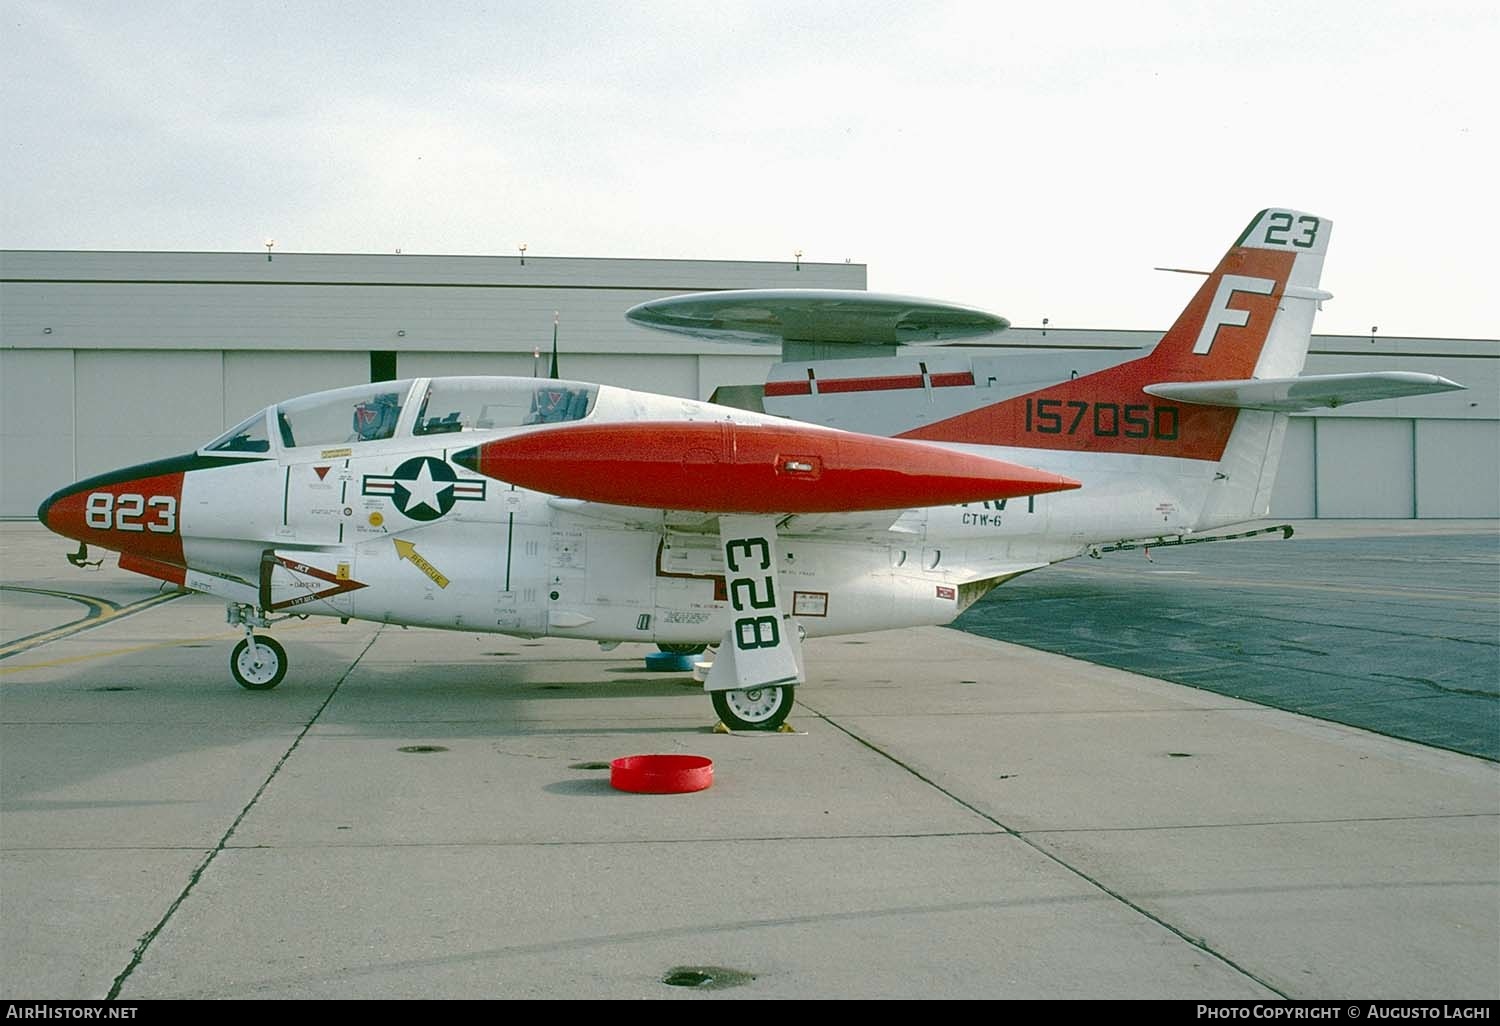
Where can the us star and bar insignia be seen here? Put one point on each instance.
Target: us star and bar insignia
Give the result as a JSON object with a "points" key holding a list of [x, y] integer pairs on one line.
{"points": [[424, 488]]}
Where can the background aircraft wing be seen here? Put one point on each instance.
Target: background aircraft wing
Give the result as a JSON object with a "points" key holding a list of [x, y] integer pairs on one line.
{"points": [[814, 315]]}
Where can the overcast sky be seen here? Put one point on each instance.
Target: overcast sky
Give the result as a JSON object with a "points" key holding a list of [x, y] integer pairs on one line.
{"points": [[1032, 159]]}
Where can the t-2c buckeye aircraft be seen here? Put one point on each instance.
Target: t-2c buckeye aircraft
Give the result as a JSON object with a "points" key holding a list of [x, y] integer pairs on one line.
{"points": [[887, 492]]}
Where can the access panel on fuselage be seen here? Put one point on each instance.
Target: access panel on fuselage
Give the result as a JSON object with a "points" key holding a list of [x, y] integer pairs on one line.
{"points": [[601, 581], [475, 576], [319, 502], [692, 599]]}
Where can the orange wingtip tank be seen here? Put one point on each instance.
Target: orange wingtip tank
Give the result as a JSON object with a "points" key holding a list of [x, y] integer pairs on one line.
{"points": [[738, 468]]}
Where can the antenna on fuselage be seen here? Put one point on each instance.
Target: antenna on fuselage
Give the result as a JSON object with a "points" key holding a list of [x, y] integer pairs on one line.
{"points": [[81, 559], [555, 316]]}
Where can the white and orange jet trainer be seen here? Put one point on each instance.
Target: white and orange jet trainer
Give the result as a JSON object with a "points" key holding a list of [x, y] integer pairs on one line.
{"points": [[535, 507]]}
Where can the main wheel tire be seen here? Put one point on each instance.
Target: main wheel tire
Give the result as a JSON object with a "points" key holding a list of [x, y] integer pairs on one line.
{"points": [[681, 649], [264, 676], [764, 708]]}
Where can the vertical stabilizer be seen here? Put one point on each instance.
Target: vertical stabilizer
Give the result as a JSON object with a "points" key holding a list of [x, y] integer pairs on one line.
{"points": [[1252, 317], [1247, 469]]}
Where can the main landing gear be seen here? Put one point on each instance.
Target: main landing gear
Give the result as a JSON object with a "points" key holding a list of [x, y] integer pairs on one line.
{"points": [[258, 664], [762, 708]]}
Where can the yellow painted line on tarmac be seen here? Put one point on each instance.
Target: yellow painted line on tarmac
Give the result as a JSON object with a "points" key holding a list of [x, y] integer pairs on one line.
{"points": [[66, 660], [101, 611], [97, 605], [225, 635]]}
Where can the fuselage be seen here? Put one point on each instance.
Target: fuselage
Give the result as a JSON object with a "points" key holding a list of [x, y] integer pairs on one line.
{"points": [[350, 504]]}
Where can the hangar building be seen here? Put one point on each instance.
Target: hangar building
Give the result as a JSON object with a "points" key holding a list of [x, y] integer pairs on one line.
{"points": [[112, 358]]}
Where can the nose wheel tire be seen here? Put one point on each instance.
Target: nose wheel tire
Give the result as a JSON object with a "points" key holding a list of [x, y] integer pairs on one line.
{"points": [[681, 649], [260, 668], [763, 708]]}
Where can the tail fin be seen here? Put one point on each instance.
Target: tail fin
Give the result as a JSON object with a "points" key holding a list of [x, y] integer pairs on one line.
{"points": [[1237, 326], [1252, 317]]}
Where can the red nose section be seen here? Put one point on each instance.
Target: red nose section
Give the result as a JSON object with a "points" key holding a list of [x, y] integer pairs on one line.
{"points": [[737, 468], [133, 511]]}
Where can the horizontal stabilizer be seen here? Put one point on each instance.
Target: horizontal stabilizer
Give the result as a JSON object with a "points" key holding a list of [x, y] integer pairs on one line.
{"points": [[814, 315], [1310, 392]]}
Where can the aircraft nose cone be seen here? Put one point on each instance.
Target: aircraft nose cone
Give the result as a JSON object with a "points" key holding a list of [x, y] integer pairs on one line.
{"points": [[135, 510], [47, 512], [41, 511], [62, 512]]}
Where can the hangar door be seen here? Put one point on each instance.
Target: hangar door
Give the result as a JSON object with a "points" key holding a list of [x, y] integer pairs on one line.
{"points": [[1295, 492], [1458, 468], [1365, 467], [36, 427]]}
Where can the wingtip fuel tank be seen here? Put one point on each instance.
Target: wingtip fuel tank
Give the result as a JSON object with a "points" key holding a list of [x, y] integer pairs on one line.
{"points": [[723, 467]]}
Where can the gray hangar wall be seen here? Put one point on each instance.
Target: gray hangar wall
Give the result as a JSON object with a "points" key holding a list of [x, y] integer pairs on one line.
{"points": [[112, 358]]}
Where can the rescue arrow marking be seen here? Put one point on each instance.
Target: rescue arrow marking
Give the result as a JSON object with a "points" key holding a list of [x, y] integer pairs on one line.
{"points": [[406, 550]]}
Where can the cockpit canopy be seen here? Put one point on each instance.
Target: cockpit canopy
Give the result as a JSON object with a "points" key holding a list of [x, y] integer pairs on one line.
{"points": [[419, 406], [480, 404]]}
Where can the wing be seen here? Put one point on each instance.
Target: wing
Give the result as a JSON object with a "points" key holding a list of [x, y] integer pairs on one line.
{"points": [[800, 525], [751, 482]]}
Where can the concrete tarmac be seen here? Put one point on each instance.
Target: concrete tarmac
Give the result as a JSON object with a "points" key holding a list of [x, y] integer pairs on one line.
{"points": [[1389, 625], [956, 817]]}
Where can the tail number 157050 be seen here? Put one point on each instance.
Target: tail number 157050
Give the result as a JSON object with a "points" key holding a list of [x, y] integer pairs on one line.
{"points": [[1102, 420]]}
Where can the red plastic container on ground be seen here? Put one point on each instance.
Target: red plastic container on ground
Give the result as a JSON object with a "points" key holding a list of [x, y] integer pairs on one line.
{"points": [[661, 774]]}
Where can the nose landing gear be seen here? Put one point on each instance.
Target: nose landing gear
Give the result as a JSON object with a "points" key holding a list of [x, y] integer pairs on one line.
{"points": [[258, 664]]}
